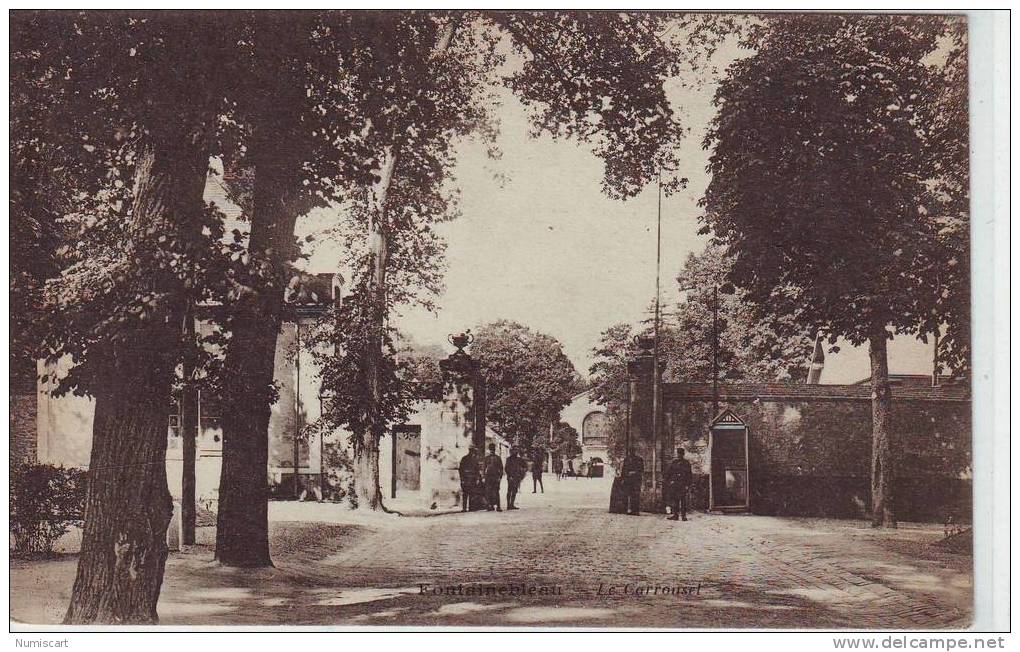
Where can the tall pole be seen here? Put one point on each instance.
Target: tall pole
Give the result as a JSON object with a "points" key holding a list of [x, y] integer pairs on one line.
{"points": [[715, 350], [297, 406], [393, 466], [189, 434], [655, 345]]}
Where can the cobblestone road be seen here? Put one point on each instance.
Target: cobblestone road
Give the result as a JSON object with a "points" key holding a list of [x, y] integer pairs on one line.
{"points": [[588, 568]]}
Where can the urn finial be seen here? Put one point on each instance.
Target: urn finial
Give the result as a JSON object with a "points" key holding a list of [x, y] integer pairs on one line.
{"points": [[461, 340]]}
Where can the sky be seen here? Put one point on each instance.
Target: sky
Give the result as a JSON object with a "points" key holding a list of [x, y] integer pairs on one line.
{"points": [[539, 243]]}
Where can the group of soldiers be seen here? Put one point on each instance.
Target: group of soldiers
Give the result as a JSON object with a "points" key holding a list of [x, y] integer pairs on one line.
{"points": [[675, 489], [480, 478]]}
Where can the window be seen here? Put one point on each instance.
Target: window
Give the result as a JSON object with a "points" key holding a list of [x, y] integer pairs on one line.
{"points": [[595, 430], [209, 417]]}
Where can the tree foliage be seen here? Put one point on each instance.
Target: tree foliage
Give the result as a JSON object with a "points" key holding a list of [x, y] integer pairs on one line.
{"points": [[825, 157], [751, 348], [45, 502], [340, 350], [91, 82], [565, 442], [528, 379]]}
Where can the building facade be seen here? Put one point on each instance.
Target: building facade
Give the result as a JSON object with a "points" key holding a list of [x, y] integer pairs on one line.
{"points": [[593, 425], [421, 455]]}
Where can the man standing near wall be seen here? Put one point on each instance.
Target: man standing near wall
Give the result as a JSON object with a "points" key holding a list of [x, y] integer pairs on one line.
{"points": [[678, 482], [493, 466], [469, 468], [633, 475]]}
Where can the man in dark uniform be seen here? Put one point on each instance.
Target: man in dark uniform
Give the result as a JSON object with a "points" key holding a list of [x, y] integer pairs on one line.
{"points": [[537, 464], [516, 469], [678, 481], [493, 473], [469, 476], [633, 472]]}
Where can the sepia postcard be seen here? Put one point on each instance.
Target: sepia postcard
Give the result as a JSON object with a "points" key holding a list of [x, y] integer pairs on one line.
{"points": [[503, 319]]}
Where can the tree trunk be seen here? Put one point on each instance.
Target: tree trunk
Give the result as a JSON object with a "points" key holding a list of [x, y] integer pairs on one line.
{"points": [[189, 437], [366, 478], [128, 504], [882, 462], [366, 482], [242, 522], [128, 507]]}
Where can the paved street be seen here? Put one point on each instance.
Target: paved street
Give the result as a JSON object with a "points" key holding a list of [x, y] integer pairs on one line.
{"points": [[582, 565]]}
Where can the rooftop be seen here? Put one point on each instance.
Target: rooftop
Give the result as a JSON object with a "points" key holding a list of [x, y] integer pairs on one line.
{"points": [[952, 392]]}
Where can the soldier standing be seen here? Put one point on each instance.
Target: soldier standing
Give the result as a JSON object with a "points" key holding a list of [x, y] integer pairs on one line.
{"points": [[633, 475], [468, 477], [516, 469], [537, 462], [493, 466], [678, 479]]}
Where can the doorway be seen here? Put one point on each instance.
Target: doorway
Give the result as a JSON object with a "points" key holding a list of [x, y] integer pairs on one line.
{"points": [[729, 482]]}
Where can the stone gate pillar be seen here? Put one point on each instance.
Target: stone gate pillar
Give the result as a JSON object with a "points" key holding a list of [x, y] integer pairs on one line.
{"points": [[640, 370], [461, 423]]}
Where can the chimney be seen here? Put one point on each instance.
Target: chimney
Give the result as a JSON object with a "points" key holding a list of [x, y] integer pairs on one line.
{"points": [[814, 375]]}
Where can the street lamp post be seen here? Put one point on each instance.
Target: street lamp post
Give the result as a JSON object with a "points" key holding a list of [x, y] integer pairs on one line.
{"points": [[655, 347]]}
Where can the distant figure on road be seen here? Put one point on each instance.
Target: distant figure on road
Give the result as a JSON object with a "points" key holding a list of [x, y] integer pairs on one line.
{"points": [[493, 466], [516, 469], [633, 475], [537, 460], [469, 477], [678, 481], [558, 468], [570, 468]]}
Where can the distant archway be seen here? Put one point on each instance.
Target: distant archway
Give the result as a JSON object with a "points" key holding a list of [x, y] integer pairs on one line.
{"points": [[595, 430]]}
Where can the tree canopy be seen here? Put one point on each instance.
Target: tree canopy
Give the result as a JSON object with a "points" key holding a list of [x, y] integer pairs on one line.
{"points": [[528, 379], [826, 154], [751, 348]]}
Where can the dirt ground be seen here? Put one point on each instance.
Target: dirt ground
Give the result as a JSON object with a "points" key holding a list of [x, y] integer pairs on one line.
{"points": [[561, 560]]}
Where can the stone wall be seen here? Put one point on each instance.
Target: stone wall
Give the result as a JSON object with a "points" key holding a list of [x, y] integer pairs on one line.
{"points": [[813, 458]]}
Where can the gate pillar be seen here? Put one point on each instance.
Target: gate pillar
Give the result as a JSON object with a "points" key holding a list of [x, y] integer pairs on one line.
{"points": [[642, 439], [461, 424]]}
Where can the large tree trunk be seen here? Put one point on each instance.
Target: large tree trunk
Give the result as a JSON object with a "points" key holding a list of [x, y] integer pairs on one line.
{"points": [[882, 461], [242, 523], [277, 155], [128, 507], [128, 504]]}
